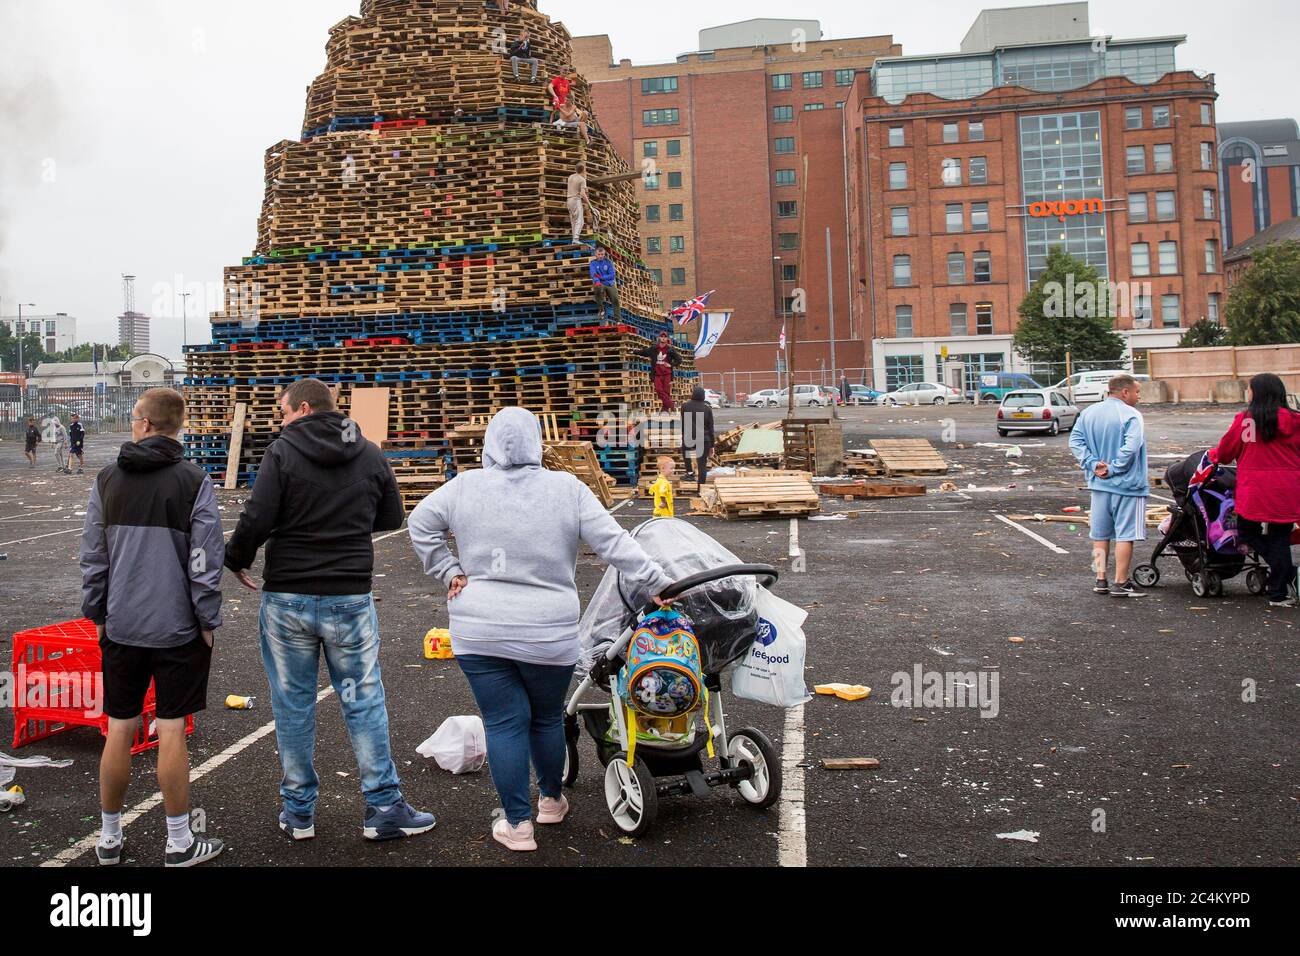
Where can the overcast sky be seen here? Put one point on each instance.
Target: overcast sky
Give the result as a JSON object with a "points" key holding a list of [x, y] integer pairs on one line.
{"points": [[132, 131]]}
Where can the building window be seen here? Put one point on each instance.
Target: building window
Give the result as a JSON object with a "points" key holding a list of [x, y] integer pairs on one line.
{"points": [[658, 276], [1169, 258], [1207, 117], [787, 209], [812, 81], [983, 318], [1207, 156], [674, 180], [1159, 116], [814, 106], [844, 77], [650, 181], [1162, 157], [955, 218], [788, 240], [651, 213], [1061, 160], [1133, 117], [782, 114], [782, 81], [975, 131], [979, 217], [789, 273], [675, 212], [896, 136], [659, 117], [1140, 259], [839, 105], [659, 84], [902, 270], [784, 144], [785, 177], [654, 245], [1137, 207], [903, 370], [1212, 314], [650, 147], [951, 172], [679, 277], [899, 221], [898, 175], [1166, 206], [1211, 255], [957, 319], [674, 147], [979, 170], [1142, 311], [956, 268], [983, 263], [1171, 316], [1135, 160], [903, 321], [1209, 204], [676, 243], [951, 133]]}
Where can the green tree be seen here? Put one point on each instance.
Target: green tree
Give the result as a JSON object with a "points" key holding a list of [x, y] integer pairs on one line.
{"points": [[1069, 309], [82, 353], [33, 350], [1203, 334], [1264, 306]]}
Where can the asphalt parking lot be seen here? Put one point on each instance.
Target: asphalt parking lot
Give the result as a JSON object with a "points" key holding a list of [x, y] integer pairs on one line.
{"points": [[1124, 731]]}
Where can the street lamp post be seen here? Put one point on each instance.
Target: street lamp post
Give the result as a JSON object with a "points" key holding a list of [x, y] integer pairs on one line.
{"points": [[22, 370], [185, 319], [780, 270]]}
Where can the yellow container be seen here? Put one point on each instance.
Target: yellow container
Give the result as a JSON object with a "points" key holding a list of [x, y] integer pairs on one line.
{"points": [[437, 645], [235, 702]]}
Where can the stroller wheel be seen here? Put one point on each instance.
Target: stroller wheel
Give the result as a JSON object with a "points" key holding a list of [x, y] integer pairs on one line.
{"points": [[630, 795], [1213, 584], [570, 762], [751, 748], [1256, 581], [1146, 575], [1199, 587]]}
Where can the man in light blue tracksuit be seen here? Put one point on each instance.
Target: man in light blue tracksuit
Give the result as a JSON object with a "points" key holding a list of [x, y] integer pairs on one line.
{"points": [[1109, 442]]}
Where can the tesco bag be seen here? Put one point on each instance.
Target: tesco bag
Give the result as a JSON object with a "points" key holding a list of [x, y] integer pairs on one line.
{"points": [[772, 671], [459, 745]]}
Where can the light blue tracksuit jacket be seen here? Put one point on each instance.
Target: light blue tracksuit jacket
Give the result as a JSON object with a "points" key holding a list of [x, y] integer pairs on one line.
{"points": [[1113, 432]]}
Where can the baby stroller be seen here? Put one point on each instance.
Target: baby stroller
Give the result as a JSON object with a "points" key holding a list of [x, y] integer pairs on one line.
{"points": [[1202, 532], [718, 593]]}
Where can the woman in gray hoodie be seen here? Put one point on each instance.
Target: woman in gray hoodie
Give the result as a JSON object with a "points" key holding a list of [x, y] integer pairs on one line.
{"points": [[514, 606]]}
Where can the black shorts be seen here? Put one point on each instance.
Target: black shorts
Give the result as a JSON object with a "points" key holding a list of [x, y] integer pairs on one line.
{"points": [[29, 449], [77, 450], [180, 675]]}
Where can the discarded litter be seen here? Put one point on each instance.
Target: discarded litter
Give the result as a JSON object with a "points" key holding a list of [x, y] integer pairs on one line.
{"points": [[844, 691], [459, 745], [851, 763], [437, 645], [1025, 836], [829, 518], [11, 798], [1016, 640], [235, 702]]}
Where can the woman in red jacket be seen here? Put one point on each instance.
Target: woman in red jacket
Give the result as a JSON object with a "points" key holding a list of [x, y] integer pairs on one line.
{"points": [[1264, 441]]}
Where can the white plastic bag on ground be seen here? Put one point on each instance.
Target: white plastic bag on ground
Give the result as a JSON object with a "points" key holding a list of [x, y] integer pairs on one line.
{"points": [[772, 671], [459, 745]]}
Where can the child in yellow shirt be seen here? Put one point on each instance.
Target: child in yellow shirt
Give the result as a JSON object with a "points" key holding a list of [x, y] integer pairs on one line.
{"points": [[663, 488]]}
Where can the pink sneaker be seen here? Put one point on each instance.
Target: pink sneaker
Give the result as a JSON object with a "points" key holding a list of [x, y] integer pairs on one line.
{"points": [[550, 810], [518, 838]]}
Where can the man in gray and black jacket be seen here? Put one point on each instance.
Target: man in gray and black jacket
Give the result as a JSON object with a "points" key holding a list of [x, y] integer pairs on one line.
{"points": [[151, 560]]}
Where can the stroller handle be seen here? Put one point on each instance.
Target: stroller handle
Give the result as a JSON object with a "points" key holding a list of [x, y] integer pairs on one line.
{"points": [[765, 572]]}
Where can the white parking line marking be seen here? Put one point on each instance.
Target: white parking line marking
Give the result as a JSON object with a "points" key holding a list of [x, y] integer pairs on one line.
{"points": [[792, 836], [1162, 498], [391, 534], [622, 505], [794, 537], [86, 844], [32, 514], [52, 534], [1023, 530]]}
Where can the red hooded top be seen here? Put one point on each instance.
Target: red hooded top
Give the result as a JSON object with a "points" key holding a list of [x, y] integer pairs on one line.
{"points": [[1268, 473]]}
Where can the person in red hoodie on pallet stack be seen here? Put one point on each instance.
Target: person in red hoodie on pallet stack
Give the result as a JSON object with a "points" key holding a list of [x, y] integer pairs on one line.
{"points": [[1264, 441]]}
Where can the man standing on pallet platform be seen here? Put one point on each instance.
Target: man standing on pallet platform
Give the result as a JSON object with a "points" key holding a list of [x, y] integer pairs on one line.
{"points": [[697, 435], [321, 493], [1109, 442], [151, 557], [606, 280], [663, 359], [521, 51], [578, 199]]}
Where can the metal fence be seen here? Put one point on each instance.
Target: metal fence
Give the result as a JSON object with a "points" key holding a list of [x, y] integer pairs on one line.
{"points": [[736, 385], [102, 411]]}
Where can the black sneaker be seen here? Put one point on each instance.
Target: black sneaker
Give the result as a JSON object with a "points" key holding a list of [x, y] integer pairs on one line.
{"points": [[109, 855], [1101, 587], [200, 851], [1126, 590], [297, 827]]}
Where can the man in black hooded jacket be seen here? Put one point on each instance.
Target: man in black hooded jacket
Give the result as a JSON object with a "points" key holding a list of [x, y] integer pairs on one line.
{"points": [[698, 438], [322, 491]]}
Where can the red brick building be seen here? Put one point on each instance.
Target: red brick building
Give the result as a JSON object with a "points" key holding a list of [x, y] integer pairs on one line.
{"points": [[1259, 169]]}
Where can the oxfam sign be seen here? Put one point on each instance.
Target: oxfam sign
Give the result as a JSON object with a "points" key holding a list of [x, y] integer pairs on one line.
{"points": [[1059, 209]]}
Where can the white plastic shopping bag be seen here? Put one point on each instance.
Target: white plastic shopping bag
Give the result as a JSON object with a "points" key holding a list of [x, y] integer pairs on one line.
{"points": [[459, 745], [772, 671]]}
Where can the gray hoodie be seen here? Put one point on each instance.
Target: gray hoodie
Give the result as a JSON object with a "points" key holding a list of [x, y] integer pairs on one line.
{"points": [[517, 529]]}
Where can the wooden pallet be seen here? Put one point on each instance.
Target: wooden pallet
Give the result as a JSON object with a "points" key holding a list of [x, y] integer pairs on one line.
{"points": [[876, 489], [778, 494], [909, 456], [578, 458]]}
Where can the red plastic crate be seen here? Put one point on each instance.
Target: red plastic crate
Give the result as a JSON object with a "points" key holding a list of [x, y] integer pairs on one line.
{"points": [[63, 661]]}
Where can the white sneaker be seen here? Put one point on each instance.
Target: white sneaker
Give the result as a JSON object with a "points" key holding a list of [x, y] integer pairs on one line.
{"points": [[550, 810], [518, 838]]}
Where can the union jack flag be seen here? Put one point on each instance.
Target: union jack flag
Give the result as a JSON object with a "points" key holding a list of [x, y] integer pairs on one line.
{"points": [[693, 309]]}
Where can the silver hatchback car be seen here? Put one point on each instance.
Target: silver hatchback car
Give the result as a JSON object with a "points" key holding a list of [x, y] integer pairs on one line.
{"points": [[1036, 410]]}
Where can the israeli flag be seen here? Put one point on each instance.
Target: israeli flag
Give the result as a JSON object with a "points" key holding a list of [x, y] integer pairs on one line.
{"points": [[712, 325]]}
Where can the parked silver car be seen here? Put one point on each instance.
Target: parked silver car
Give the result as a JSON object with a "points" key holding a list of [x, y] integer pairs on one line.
{"points": [[766, 398], [1036, 410], [923, 393]]}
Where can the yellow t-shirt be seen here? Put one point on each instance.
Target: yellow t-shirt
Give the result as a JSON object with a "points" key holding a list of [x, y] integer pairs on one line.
{"points": [[663, 494]]}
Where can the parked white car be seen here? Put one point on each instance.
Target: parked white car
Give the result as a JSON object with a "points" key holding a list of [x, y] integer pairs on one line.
{"points": [[1092, 386], [923, 393], [1036, 410], [767, 398], [803, 395], [715, 399]]}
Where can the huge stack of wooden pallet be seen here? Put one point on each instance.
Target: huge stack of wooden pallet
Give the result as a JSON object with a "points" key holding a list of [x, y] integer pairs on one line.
{"points": [[416, 238]]}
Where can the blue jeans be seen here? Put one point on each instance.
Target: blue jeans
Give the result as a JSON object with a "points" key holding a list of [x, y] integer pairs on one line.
{"points": [[523, 713], [295, 628]]}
